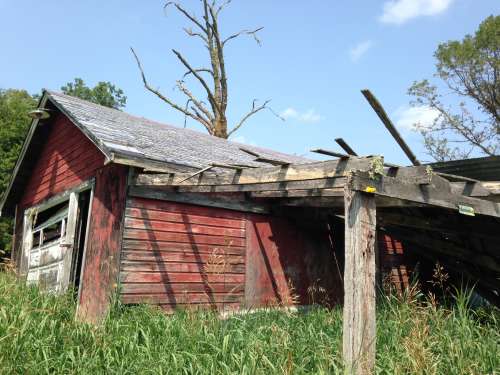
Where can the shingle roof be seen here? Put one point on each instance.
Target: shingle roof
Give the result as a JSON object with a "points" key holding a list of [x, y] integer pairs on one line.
{"points": [[127, 136]]}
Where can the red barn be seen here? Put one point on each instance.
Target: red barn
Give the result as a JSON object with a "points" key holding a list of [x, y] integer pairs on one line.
{"points": [[101, 205]]}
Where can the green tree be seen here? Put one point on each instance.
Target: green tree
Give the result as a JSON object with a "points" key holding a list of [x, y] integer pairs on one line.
{"points": [[104, 93], [470, 70], [14, 123]]}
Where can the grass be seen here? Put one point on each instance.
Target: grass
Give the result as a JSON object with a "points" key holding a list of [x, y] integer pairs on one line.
{"points": [[38, 335]]}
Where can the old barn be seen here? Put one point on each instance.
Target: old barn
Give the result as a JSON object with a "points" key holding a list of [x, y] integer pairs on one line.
{"points": [[106, 202]]}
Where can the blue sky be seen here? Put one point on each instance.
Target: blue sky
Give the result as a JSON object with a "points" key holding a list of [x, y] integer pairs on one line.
{"points": [[315, 58]]}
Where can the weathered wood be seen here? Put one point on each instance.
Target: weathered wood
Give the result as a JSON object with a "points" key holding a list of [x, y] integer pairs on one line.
{"points": [[100, 270], [329, 153], [293, 172], [345, 146], [379, 110], [428, 194], [359, 330], [333, 192], [198, 199]]}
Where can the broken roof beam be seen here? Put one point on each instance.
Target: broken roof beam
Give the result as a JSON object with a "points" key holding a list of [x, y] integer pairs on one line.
{"points": [[271, 161], [379, 110], [292, 172], [428, 194], [343, 144], [330, 153]]}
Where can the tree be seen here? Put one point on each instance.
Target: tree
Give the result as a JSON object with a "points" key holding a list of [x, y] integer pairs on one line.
{"points": [[104, 93], [212, 117], [470, 69], [14, 124]]}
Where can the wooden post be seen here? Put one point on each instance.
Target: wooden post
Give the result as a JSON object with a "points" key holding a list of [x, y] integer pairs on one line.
{"points": [[359, 282]]}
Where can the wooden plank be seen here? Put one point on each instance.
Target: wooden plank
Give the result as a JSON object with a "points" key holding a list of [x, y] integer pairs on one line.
{"points": [[172, 217], [323, 183], [198, 199], [139, 234], [180, 288], [161, 226], [379, 110], [345, 146], [170, 256], [184, 208], [427, 194], [182, 247], [183, 267], [359, 331], [187, 298], [293, 172], [173, 277], [333, 192], [102, 255]]}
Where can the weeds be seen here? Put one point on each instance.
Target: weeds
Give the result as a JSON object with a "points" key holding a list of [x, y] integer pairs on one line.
{"points": [[38, 335]]}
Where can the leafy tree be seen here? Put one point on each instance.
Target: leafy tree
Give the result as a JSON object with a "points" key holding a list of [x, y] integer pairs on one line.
{"points": [[213, 76], [470, 69], [14, 124], [104, 93]]}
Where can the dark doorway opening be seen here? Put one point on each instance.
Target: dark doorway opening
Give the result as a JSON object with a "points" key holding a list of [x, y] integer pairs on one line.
{"points": [[80, 238]]}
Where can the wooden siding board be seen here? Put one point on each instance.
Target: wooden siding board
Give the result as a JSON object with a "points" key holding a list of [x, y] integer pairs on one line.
{"points": [[66, 159], [102, 258], [177, 254]]}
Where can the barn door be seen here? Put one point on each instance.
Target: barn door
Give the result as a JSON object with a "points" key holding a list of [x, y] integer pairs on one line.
{"points": [[49, 242]]}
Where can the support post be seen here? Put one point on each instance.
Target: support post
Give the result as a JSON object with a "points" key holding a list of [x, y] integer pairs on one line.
{"points": [[359, 331]]}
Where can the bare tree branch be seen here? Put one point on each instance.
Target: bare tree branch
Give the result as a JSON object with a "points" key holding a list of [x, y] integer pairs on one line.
{"points": [[252, 112], [163, 97], [200, 70], [192, 18], [220, 56], [222, 6], [196, 102], [192, 33], [211, 98], [252, 33]]}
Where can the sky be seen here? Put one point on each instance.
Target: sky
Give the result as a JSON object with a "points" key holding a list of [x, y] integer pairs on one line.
{"points": [[314, 59]]}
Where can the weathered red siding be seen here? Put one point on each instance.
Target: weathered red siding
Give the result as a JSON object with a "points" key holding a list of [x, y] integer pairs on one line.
{"points": [[67, 159], [176, 255], [102, 258], [289, 264]]}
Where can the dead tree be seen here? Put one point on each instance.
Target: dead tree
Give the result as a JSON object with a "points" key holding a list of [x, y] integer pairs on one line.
{"points": [[212, 116]]}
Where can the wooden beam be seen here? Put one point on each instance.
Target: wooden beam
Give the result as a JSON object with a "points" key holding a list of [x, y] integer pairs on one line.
{"points": [[428, 194], [379, 110], [345, 146], [329, 153], [199, 199], [293, 172], [359, 332], [272, 161], [332, 192]]}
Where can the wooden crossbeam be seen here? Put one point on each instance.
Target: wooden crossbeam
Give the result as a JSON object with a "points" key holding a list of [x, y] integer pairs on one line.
{"points": [[393, 187], [293, 172], [329, 153]]}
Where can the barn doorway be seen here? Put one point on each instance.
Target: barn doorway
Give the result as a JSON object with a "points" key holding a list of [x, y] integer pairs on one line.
{"points": [[55, 239]]}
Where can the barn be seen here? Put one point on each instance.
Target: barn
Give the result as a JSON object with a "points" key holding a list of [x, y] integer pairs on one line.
{"points": [[110, 204]]}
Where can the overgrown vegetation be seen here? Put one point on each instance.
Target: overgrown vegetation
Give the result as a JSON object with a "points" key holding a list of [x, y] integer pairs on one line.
{"points": [[38, 334]]}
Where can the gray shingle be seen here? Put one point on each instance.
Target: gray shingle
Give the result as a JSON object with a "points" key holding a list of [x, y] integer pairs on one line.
{"points": [[128, 135]]}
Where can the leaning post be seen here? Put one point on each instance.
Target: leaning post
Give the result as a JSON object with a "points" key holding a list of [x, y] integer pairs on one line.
{"points": [[359, 331]]}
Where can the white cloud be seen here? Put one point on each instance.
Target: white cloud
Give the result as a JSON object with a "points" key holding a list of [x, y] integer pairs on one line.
{"points": [[399, 11], [359, 50], [310, 116], [410, 118]]}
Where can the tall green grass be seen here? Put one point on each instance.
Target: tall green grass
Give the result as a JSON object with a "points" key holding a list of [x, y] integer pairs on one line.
{"points": [[38, 335]]}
